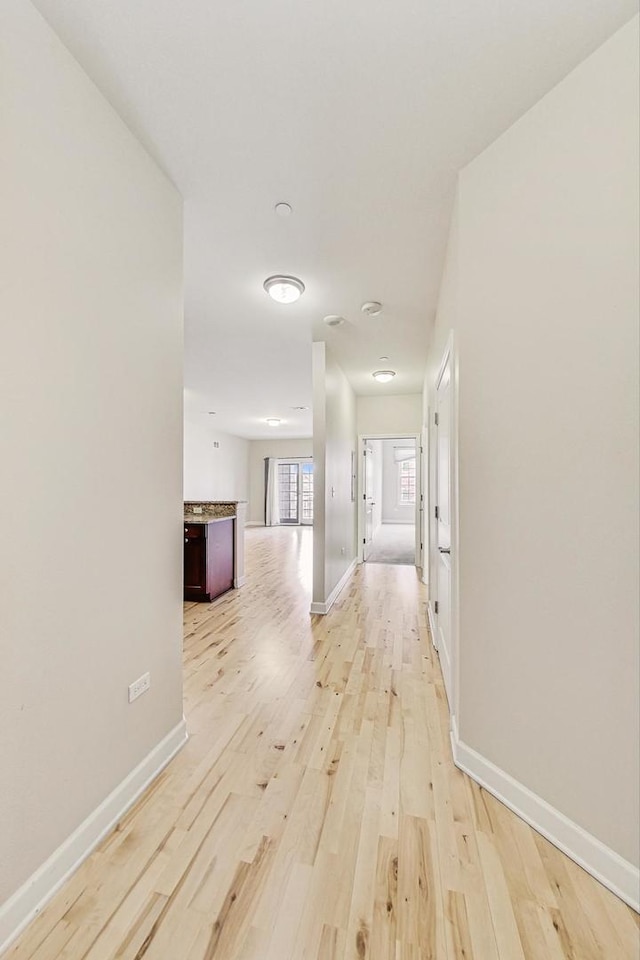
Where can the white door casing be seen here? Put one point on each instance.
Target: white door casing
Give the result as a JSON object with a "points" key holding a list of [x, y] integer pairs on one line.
{"points": [[444, 469], [368, 495], [422, 505]]}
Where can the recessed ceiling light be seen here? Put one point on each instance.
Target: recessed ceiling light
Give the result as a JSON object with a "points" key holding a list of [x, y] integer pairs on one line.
{"points": [[299, 408], [212, 413], [383, 376], [333, 320], [384, 359], [284, 289], [372, 308], [283, 209], [273, 421]]}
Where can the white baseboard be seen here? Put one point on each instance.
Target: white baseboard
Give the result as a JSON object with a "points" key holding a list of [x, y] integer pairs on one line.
{"points": [[603, 863], [432, 624], [238, 581], [254, 523], [324, 608], [32, 896]]}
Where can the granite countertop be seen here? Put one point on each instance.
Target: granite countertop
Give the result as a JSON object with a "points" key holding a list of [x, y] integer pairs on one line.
{"points": [[215, 503], [203, 518], [204, 511]]}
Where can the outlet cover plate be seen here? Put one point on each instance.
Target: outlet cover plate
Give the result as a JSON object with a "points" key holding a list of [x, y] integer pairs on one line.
{"points": [[139, 686]]}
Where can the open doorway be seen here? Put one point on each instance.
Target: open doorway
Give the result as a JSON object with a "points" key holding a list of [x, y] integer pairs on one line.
{"points": [[289, 491], [390, 500]]}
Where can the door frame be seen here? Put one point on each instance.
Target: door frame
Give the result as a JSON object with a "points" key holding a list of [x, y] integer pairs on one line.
{"points": [[362, 439], [299, 461], [449, 356]]}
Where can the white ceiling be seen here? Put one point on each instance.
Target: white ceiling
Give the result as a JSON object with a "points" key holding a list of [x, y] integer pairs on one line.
{"points": [[356, 112]]}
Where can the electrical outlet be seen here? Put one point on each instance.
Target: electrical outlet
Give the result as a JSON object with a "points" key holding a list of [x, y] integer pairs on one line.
{"points": [[139, 686], [197, 509]]}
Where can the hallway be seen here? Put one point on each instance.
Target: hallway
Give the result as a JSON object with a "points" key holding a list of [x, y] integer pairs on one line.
{"points": [[315, 812]]}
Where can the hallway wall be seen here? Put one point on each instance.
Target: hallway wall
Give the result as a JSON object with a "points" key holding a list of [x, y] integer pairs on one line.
{"points": [[541, 290], [389, 414], [210, 472], [90, 485], [334, 441]]}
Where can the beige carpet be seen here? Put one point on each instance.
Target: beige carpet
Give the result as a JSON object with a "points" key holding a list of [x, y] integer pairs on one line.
{"points": [[394, 543]]}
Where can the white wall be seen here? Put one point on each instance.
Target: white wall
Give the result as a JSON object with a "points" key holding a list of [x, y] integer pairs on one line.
{"points": [[210, 472], [392, 510], [258, 450], [91, 439], [389, 414], [334, 439], [541, 287]]}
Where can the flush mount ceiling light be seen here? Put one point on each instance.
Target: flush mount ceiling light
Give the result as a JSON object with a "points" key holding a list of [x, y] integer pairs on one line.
{"points": [[273, 421], [284, 289], [333, 320], [299, 408], [383, 376], [283, 209], [372, 308]]}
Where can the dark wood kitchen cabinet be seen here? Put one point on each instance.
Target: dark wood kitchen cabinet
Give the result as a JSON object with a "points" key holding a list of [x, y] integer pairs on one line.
{"points": [[208, 559]]}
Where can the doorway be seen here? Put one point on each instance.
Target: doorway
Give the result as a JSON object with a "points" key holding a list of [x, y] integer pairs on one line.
{"points": [[443, 534], [295, 492], [390, 500]]}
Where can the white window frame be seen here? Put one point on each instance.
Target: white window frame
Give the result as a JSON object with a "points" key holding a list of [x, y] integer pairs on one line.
{"points": [[401, 502]]}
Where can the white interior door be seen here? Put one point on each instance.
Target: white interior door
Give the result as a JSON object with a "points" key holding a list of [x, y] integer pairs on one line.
{"points": [[443, 522], [369, 498]]}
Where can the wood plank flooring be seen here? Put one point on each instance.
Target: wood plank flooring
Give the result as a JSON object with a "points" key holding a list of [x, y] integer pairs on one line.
{"points": [[315, 813]]}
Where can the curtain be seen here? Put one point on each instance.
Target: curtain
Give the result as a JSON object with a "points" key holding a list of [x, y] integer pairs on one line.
{"points": [[272, 505], [404, 453]]}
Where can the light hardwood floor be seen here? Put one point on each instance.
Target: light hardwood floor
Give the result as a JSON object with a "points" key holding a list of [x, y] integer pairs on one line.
{"points": [[315, 813]]}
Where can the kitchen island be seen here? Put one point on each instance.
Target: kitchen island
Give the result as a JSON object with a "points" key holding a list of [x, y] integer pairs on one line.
{"points": [[213, 547]]}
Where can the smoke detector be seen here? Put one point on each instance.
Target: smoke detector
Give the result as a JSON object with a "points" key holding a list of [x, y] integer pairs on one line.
{"points": [[333, 320], [372, 308]]}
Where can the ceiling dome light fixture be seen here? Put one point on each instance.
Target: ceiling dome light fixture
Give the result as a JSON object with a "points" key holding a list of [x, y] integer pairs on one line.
{"points": [[283, 209], [372, 308], [284, 289], [383, 376], [273, 421], [333, 320]]}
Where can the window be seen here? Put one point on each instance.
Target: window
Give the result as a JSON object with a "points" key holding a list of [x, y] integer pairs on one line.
{"points": [[288, 492], [407, 481], [295, 492], [307, 493]]}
